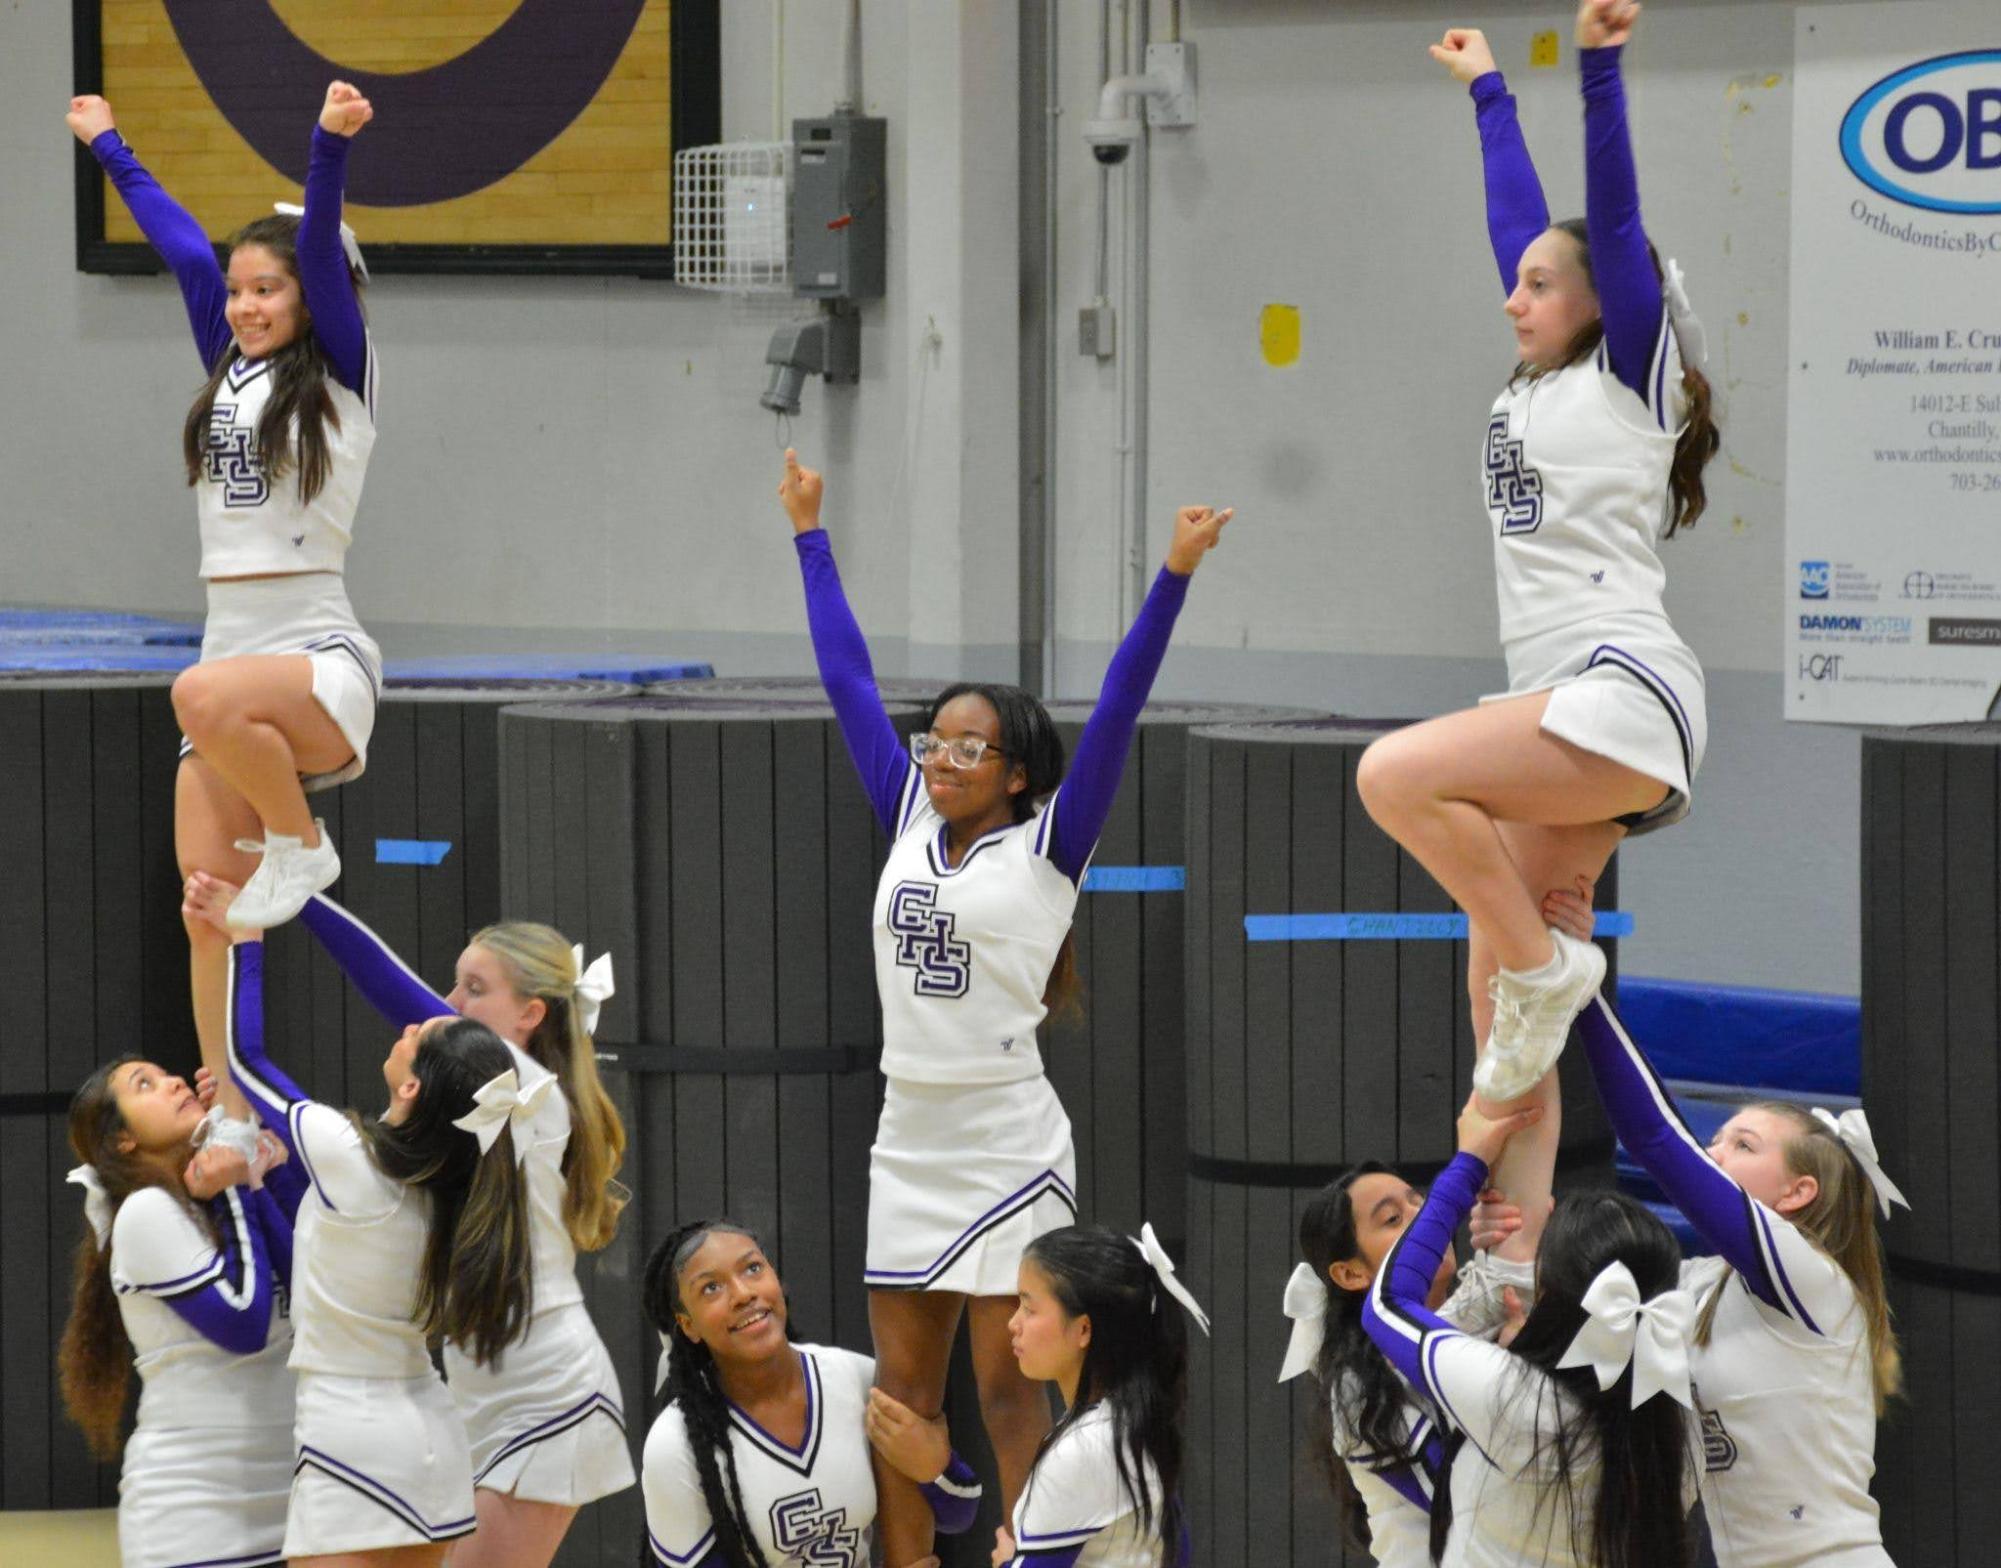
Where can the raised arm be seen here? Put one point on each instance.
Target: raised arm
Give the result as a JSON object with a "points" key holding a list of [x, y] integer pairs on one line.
{"points": [[1076, 817], [167, 225], [1516, 209], [390, 986], [1783, 1269], [1629, 290], [324, 275], [274, 1097], [879, 753]]}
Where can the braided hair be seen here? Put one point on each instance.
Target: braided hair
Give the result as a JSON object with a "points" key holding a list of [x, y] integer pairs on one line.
{"points": [[695, 1386]]}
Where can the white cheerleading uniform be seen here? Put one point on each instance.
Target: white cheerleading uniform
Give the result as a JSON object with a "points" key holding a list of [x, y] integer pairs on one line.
{"points": [[1074, 1510], [546, 1424], [962, 954], [252, 526], [1575, 472], [209, 1464], [809, 1505]]}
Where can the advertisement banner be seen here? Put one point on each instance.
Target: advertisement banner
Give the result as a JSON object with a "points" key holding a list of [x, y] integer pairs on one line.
{"points": [[1892, 591]]}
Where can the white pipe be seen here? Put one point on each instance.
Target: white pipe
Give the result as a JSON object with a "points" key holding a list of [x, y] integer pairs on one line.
{"points": [[1051, 349], [779, 130], [1140, 267], [851, 55]]}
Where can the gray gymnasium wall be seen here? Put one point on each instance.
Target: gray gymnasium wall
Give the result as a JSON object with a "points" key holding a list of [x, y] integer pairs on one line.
{"points": [[586, 455]]}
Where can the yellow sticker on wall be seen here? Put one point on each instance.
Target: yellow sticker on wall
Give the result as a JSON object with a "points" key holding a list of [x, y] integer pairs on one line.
{"points": [[1543, 50], [1278, 335]]}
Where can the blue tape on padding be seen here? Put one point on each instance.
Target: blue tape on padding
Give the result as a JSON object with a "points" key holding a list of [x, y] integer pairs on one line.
{"points": [[1790, 1042], [1389, 927], [1136, 879], [636, 668], [411, 851]]}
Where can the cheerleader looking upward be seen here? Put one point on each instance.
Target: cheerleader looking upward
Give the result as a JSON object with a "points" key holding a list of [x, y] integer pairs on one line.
{"points": [[761, 1456], [415, 1227], [1572, 1445], [546, 1423], [973, 1156], [1099, 1315], [183, 1278], [276, 444], [1593, 454]]}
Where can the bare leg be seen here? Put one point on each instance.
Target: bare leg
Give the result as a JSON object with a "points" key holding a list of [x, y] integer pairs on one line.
{"points": [[513, 1533], [913, 1332], [1014, 1408], [209, 817], [255, 721], [1438, 787], [1544, 858], [388, 1557]]}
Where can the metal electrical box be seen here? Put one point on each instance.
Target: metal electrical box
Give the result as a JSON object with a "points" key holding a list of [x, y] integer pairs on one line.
{"points": [[840, 214]]}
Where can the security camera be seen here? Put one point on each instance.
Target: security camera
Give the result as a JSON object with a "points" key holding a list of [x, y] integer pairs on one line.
{"points": [[1111, 139]]}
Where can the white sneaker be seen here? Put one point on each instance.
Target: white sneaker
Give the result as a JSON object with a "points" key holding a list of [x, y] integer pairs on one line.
{"points": [[289, 875], [1532, 1019], [1476, 1306]]}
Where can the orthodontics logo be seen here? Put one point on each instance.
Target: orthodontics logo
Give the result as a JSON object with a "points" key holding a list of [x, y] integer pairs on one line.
{"points": [[1929, 135], [1815, 579]]}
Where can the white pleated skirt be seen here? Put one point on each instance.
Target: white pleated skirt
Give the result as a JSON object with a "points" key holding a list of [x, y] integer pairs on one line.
{"points": [[189, 1496], [380, 1462]]}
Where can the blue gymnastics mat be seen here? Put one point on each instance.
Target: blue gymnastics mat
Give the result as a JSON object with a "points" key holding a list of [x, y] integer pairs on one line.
{"points": [[1790, 1043], [95, 658], [635, 669], [22, 624]]}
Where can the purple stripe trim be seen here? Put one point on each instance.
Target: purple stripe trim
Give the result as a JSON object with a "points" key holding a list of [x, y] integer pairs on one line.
{"points": [[305, 1158], [937, 849], [1007, 1208], [555, 1426], [381, 1495], [1608, 653], [908, 807], [802, 1458], [249, 1560], [1077, 1535], [1048, 821], [695, 1553], [1660, 369], [340, 642], [1404, 1481], [181, 1285], [1768, 1244]]}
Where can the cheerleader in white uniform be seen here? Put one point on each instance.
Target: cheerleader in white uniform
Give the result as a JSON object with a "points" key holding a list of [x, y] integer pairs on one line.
{"points": [[276, 445], [184, 1279], [1099, 1315], [973, 1156], [1593, 455], [547, 1422], [1378, 1441], [415, 1226], [762, 1454], [1574, 1445], [1793, 1353]]}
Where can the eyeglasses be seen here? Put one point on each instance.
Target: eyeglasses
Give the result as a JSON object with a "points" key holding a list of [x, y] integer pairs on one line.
{"points": [[965, 751]]}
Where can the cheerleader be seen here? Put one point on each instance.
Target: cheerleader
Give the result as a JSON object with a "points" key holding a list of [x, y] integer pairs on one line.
{"points": [[546, 1423], [1592, 455], [1099, 1315], [1793, 1353], [761, 1456], [973, 1156], [181, 1274], [1377, 1441], [276, 445], [1572, 1445], [415, 1227]]}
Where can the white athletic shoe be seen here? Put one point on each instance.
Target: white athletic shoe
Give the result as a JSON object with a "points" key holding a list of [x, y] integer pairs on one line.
{"points": [[1532, 1020], [289, 875], [1476, 1306]]}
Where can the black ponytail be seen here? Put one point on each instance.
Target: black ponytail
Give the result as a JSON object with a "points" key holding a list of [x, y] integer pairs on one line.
{"points": [[694, 1385], [1136, 1364]]}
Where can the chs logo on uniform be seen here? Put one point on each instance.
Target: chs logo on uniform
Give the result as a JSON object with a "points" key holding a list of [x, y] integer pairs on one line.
{"points": [[230, 459], [1514, 490], [813, 1535], [925, 941], [1816, 577], [1929, 135]]}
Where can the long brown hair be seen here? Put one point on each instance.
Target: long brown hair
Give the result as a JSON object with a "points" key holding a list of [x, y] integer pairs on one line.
{"points": [[537, 961], [474, 1287], [1700, 439], [298, 386], [94, 1362], [1841, 1221]]}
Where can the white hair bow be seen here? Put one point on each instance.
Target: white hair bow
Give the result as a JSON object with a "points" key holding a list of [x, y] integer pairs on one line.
{"points": [[666, 1355], [1852, 1128], [1620, 1330], [593, 988], [1163, 1268], [1306, 1304], [1687, 325], [348, 242], [96, 1201], [500, 1103]]}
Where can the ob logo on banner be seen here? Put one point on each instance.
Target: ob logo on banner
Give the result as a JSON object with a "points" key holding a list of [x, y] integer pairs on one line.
{"points": [[1929, 135]]}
